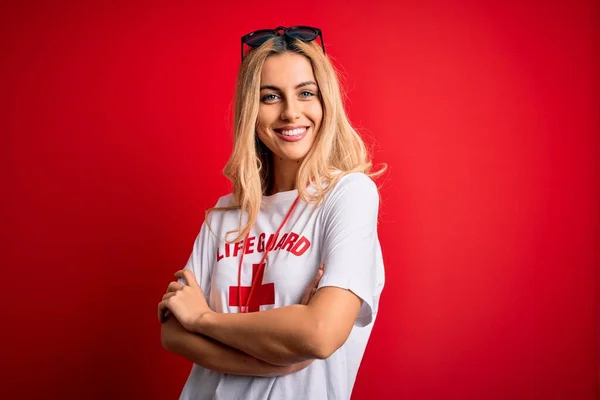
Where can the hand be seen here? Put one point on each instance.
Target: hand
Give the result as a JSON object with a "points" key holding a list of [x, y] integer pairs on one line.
{"points": [[312, 288], [186, 302], [164, 314]]}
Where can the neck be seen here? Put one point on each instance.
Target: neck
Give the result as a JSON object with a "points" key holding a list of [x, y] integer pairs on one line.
{"points": [[284, 175]]}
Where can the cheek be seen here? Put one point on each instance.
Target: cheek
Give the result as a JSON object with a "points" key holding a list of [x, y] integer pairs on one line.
{"points": [[261, 131], [316, 113], [261, 117], [260, 121], [266, 115]]}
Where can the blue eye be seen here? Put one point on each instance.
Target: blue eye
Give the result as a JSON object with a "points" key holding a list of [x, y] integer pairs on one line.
{"points": [[268, 97], [271, 97]]}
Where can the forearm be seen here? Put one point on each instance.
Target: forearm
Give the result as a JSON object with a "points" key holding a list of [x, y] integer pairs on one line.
{"points": [[216, 356], [280, 336]]}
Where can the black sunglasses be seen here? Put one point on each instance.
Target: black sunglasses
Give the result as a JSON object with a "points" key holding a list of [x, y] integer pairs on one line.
{"points": [[304, 33]]}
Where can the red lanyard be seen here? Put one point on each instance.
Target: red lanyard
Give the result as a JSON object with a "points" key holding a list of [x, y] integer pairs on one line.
{"points": [[260, 266]]}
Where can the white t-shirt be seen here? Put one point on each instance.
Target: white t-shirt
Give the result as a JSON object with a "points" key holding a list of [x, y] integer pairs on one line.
{"points": [[342, 234]]}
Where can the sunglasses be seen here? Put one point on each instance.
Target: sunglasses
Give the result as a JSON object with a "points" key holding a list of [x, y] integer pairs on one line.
{"points": [[304, 33]]}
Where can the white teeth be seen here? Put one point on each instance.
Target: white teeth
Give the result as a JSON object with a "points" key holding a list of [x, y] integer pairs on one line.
{"points": [[293, 132]]}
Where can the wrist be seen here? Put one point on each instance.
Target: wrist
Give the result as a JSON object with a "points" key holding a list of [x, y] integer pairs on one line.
{"points": [[203, 322]]}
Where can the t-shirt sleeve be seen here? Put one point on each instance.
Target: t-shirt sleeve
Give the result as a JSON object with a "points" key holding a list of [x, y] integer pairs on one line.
{"points": [[350, 243], [202, 258]]}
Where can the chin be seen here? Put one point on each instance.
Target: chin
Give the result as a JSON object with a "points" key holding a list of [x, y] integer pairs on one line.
{"points": [[292, 157], [292, 153]]}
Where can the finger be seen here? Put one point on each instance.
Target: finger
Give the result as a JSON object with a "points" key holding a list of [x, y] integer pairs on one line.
{"points": [[163, 315], [306, 295], [321, 270], [162, 308], [311, 288], [310, 296], [188, 276], [304, 298], [174, 286], [168, 295], [317, 278]]}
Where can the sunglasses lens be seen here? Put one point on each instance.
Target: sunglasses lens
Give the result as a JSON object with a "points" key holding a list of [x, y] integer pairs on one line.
{"points": [[303, 33], [258, 38]]}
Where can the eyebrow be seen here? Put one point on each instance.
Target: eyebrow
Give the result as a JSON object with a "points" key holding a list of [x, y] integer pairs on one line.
{"points": [[307, 83]]}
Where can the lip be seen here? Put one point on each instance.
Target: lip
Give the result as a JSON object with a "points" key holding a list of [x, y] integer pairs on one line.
{"points": [[292, 138], [290, 127]]}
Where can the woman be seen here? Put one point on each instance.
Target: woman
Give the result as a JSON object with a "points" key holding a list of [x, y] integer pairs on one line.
{"points": [[243, 309]]}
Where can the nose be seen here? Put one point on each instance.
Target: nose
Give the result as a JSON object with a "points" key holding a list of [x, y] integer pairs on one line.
{"points": [[291, 110]]}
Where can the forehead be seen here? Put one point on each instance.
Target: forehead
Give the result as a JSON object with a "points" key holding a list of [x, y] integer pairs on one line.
{"points": [[287, 69]]}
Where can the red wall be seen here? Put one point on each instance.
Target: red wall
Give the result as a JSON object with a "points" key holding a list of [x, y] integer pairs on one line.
{"points": [[115, 125]]}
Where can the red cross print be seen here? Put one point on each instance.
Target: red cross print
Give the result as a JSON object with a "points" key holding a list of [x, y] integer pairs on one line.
{"points": [[262, 295]]}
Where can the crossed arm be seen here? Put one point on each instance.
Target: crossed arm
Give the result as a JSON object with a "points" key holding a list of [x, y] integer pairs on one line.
{"points": [[290, 334], [267, 343], [216, 356]]}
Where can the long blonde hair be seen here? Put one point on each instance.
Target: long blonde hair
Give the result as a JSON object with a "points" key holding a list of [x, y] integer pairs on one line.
{"points": [[337, 150]]}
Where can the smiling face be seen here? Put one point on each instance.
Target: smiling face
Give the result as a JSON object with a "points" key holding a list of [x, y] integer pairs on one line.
{"points": [[290, 111]]}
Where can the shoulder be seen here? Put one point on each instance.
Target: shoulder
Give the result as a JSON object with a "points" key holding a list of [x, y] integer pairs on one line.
{"points": [[354, 194], [225, 201], [214, 217], [356, 179], [356, 185]]}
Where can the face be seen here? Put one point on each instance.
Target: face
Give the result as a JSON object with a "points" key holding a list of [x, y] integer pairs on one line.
{"points": [[290, 110]]}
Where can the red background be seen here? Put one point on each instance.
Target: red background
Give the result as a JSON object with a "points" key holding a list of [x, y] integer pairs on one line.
{"points": [[116, 123]]}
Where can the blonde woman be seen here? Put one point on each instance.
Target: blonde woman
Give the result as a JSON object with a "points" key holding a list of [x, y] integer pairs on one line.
{"points": [[280, 293]]}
